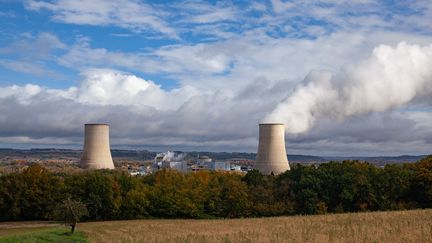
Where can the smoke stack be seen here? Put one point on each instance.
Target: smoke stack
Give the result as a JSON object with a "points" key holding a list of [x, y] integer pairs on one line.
{"points": [[96, 152], [271, 156]]}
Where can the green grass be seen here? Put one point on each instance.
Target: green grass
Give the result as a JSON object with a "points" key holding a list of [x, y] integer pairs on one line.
{"points": [[56, 234]]}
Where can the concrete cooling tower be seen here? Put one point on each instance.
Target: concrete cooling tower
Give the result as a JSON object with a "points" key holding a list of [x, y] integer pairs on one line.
{"points": [[96, 152], [271, 156]]}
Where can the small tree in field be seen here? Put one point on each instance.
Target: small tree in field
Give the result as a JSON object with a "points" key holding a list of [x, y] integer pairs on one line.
{"points": [[70, 212]]}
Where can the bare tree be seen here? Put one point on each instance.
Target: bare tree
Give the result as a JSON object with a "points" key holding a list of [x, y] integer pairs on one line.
{"points": [[70, 212]]}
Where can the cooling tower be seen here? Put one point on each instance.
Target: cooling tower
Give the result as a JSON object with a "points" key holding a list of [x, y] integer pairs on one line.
{"points": [[271, 156], [96, 152]]}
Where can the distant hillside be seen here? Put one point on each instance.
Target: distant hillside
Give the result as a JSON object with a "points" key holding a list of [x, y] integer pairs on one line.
{"points": [[382, 159], [298, 158], [148, 155]]}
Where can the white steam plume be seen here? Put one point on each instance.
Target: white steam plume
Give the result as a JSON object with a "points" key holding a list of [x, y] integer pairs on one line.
{"points": [[390, 78]]}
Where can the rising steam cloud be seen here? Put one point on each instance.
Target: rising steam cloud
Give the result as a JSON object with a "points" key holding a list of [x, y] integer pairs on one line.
{"points": [[390, 78]]}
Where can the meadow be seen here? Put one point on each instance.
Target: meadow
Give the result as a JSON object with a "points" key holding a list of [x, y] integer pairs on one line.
{"points": [[396, 226]]}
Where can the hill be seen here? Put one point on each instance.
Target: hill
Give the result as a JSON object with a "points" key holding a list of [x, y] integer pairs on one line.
{"points": [[142, 155]]}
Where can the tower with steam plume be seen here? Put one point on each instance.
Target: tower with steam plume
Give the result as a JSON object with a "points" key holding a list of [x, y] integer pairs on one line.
{"points": [[271, 155], [96, 151]]}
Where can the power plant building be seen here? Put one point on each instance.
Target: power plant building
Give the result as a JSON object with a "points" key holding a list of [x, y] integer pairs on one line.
{"points": [[220, 165], [175, 165], [271, 155], [96, 151]]}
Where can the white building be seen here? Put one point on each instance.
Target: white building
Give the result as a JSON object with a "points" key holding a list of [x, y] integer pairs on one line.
{"points": [[220, 165], [175, 165]]}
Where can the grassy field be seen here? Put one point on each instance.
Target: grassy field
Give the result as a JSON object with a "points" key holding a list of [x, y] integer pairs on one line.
{"points": [[400, 226]]}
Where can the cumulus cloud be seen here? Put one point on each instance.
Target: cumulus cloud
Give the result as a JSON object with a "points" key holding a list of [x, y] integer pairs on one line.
{"points": [[107, 87], [103, 87], [390, 78], [232, 63], [250, 60], [143, 115], [373, 134], [139, 111]]}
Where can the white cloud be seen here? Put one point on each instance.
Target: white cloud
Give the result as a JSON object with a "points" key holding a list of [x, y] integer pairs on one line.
{"points": [[279, 6], [375, 134], [30, 54], [177, 20], [25, 67], [107, 87], [23, 94], [133, 15], [137, 109], [390, 78], [201, 12], [142, 114], [338, 15], [232, 62], [39, 47]]}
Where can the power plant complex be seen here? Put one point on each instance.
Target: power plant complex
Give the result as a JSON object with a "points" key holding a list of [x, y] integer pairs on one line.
{"points": [[271, 155], [96, 151]]}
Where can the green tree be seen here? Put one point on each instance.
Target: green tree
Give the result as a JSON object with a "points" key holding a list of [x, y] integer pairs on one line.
{"points": [[41, 191], [392, 188], [136, 203], [421, 182], [98, 190], [262, 194], [29, 195], [176, 194], [11, 193], [227, 196]]}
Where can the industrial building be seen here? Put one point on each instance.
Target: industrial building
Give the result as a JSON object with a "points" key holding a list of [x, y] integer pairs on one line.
{"points": [[175, 165], [203, 159], [96, 151], [178, 161], [220, 165], [271, 155]]}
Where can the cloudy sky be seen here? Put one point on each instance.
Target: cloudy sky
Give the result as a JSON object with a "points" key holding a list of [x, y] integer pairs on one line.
{"points": [[346, 77]]}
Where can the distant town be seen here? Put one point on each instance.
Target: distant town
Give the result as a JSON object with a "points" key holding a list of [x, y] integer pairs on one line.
{"points": [[142, 162]]}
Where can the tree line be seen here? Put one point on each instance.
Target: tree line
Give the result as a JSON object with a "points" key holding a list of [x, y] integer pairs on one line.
{"points": [[333, 187]]}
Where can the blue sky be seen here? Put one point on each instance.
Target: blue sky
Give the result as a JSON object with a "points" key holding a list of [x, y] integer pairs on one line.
{"points": [[200, 75]]}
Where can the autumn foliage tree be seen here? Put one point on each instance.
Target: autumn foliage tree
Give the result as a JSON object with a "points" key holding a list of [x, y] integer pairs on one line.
{"points": [[334, 187]]}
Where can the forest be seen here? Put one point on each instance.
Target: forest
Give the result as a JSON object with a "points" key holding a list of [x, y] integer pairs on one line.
{"points": [[333, 187]]}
